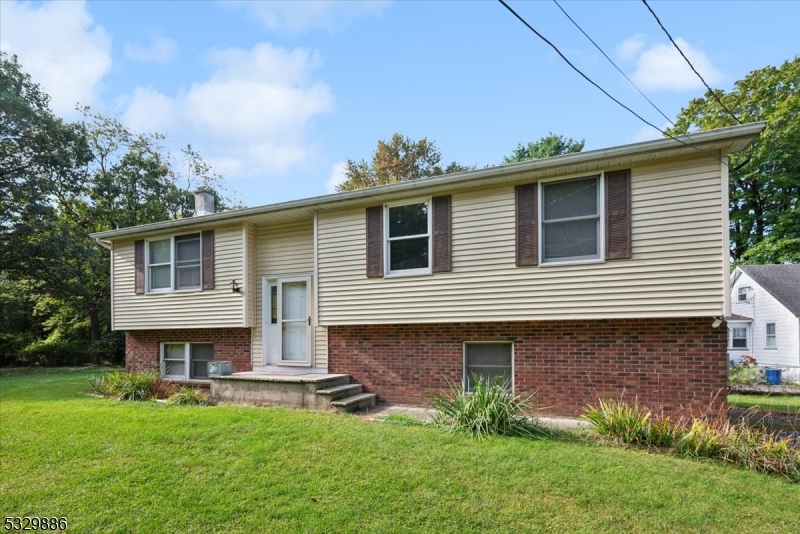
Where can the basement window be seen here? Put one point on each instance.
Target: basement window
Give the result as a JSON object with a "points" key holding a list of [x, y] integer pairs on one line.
{"points": [[186, 361], [488, 361]]}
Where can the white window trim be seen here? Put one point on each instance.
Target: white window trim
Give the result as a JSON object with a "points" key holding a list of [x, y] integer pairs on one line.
{"points": [[767, 336], [601, 234], [186, 361], [171, 288], [741, 294], [386, 240], [746, 338], [464, 362]]}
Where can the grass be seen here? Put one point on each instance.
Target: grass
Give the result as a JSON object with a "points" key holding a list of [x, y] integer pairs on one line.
{"points": [[113, 466], [775, 403]]}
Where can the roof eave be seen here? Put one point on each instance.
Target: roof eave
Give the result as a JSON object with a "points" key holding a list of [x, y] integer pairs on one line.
{"points": [[739, 136]]}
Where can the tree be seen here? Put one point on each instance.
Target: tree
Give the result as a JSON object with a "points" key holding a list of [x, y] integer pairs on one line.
{"points": [[764, 182], [59, 182], [398, 160], [546, 147]]}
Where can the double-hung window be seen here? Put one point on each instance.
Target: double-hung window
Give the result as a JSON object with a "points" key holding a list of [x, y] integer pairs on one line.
{"points": [[771, 341], [742, 295], [738, 338], [174, 263], [571, 220], [408, 238], [186, 361]]}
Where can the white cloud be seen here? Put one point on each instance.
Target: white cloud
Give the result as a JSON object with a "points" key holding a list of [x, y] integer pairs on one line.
{"points": [[60, 46], [337, 176], [299, 16], [161, 50], [250, 117], [629, 48], [661, 67]]}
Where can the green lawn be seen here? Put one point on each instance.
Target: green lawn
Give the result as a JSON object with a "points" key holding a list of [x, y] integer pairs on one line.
{"points": [[144, 467], [777, 403]]}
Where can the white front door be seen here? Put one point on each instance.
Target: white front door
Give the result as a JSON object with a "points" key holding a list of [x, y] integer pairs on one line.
{"points": [[287, 321]]}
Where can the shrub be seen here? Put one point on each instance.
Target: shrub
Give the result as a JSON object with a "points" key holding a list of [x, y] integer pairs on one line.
{"points": [[187, 396], [743, 373], [11, 346], [489, 410], [136, 386], [55, 353]]}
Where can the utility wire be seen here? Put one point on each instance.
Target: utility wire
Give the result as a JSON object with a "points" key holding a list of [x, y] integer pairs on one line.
{"points": [[612, 62], [710, 90], [585, 77]]}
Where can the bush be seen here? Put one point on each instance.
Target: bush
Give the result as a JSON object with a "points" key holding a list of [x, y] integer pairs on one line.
{"points": [[738, 444], [109, 349], [136, 386], [11, 346], [187, 396], [743, 373], [489, 410], [55, 353]]}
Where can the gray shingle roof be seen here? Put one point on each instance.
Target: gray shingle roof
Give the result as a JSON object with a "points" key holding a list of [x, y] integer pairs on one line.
{"points": [[780, 281]]}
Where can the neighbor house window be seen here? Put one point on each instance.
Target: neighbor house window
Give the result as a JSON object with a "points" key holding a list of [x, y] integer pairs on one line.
{"points": [[571, 229], [488, 361], [174, 263], [186, 361], [408, 238], [739, 338], [742, 294], [772, 336]]}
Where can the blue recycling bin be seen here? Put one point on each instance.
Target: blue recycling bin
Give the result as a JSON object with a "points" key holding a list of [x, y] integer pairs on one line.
{"points": [[773, 376]]}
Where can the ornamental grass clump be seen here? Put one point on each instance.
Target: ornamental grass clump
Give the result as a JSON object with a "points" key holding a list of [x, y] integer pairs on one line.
{"points": [[187, 396], [490, 409], [135, 386], [736, 443]]}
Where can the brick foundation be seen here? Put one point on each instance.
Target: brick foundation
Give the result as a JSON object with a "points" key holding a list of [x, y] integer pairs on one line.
{"points": [[230, 344], [677, 365]]}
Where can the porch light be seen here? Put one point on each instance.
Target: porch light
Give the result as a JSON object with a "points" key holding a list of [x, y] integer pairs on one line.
{"points": [[234, 286]]}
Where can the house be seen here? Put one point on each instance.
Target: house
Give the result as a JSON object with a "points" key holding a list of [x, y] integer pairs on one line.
{"points": [[596, 274], [766, 300]]}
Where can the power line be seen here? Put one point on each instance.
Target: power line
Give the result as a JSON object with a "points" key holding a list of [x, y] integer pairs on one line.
{"points": [[710, 90], [585, 77], [612, 62]]}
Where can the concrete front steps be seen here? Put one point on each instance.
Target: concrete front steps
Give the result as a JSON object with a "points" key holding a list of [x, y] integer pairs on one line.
{"points": [[314, 391]]}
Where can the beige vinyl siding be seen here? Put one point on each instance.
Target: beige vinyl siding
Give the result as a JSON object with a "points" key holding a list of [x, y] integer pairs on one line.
{"points": [[280, 249], [676, 269], [251, 286], [321, 347], [214, 308]]}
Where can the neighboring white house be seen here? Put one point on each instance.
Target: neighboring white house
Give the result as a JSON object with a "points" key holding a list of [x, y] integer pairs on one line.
{"points": [[765, 301]]}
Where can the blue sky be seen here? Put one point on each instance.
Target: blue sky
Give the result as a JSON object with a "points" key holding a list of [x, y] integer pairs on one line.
{"points": [[279, 95]]}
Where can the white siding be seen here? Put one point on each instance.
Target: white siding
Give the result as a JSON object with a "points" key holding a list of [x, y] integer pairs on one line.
{"points": [[280, 249], [677, 269], [218, 307], [321, 347], [763, 308]]}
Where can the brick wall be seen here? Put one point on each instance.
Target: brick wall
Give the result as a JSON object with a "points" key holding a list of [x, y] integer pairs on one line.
{"points": [[230, 344], [669, 364]]}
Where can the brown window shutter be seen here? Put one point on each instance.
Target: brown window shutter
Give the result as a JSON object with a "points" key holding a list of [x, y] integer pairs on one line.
{"points": [[442, 248], [138, 265], [207, 239], [375, 242], [618, 214], [527, 225]]}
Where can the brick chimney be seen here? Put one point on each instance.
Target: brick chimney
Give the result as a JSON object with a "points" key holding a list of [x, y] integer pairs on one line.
{"points": [[203, 202]]}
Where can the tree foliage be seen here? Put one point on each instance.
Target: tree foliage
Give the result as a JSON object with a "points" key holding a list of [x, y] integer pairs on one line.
{"points": [[398, 160], [765, 179], [61, 181], [546, 147]]}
